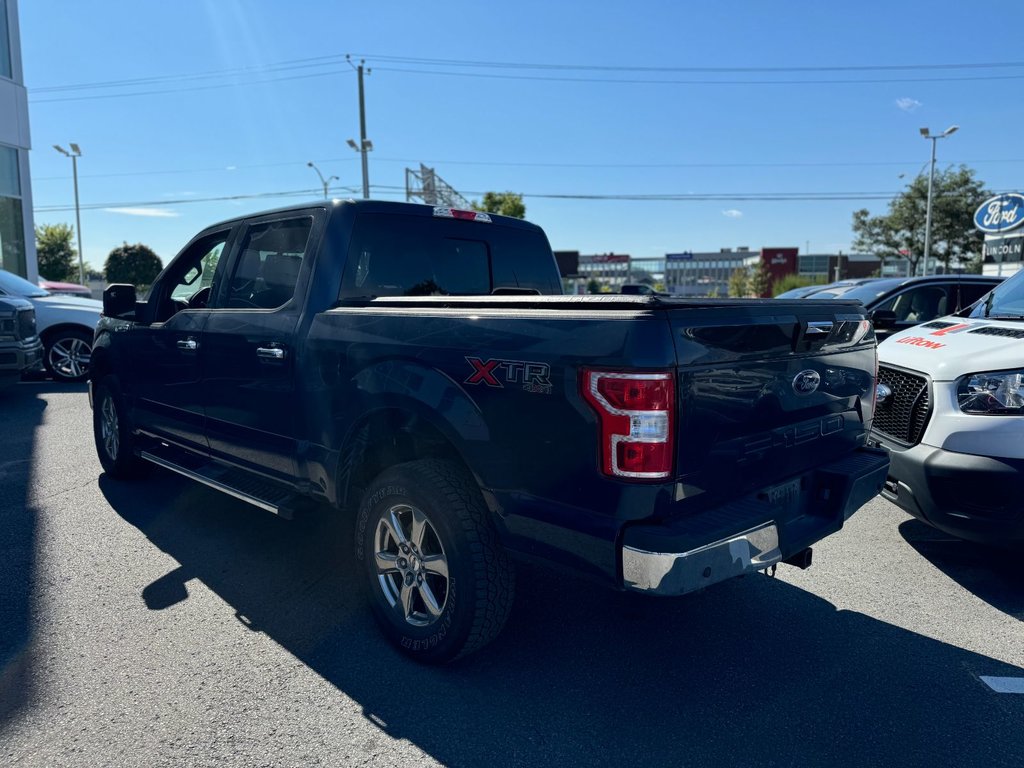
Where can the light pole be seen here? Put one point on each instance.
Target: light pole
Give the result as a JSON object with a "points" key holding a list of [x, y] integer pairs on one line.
{"points": [[931, 183], [364, 146], [326, 182], [74, 154]]}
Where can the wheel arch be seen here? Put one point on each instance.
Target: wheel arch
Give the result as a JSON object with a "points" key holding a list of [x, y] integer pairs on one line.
{"points": [[387, 436], [57, 328]]}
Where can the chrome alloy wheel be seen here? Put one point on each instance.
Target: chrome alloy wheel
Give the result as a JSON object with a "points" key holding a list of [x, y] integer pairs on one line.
{"points": [[411, 565], [70, 357], [109, 428]]}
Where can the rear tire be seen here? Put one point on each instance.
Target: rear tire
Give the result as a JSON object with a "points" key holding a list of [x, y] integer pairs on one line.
{"points": [[440, 585], [115, 444]]}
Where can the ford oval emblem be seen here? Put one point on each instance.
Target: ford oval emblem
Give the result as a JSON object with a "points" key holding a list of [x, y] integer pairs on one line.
{"points": [[806, 382], [1000, 213], [882, 393]]}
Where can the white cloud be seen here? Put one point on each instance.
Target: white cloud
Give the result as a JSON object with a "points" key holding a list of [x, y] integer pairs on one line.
{"points": [[155, 213], [908, 104], [732, 213]]}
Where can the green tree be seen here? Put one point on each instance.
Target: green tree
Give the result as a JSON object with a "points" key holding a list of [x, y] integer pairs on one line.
{"points": [[502, 203], [899, 233], [55, 253], [135, 264], [761, 281], [739, 283], [593, 285]]}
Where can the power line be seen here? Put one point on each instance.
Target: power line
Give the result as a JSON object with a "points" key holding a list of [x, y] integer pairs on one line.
{"points": [[314, 61], [189, 88], [639, 81], [526, 164], [157, 203], [332, 60], [626, 68], [627, 197]]}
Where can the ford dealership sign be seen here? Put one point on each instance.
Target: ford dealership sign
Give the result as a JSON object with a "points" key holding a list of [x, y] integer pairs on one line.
{"points": [[1000, 214]]}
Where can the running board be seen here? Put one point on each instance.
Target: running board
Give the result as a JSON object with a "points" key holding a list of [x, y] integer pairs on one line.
{"points": [[265, 494]]}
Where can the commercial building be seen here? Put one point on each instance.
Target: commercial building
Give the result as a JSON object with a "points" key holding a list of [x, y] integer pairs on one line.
{"points": [[17, 238]]}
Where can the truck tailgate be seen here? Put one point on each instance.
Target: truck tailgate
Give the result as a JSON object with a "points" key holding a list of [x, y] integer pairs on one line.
{"points": [[767, 390]]}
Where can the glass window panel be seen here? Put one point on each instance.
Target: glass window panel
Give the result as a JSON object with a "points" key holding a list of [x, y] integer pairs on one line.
{"points": [[10, 183]]}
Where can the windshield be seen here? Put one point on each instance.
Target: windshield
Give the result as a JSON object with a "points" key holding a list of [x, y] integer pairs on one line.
{"points": [[1006, 300], [13, 285], [866, 293]]}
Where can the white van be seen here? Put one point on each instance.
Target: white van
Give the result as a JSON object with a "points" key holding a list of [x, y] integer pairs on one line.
{"points": [[950, 408]]}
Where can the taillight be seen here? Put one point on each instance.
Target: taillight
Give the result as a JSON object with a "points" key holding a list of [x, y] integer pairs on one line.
{"points": [[636, 412]]}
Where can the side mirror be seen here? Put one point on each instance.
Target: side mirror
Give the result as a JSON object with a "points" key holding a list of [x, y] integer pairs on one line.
{"points": [[118, 300], [883, 319]]}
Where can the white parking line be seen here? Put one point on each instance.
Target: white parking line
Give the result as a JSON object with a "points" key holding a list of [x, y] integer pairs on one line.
{"points": [[1004, 684]]}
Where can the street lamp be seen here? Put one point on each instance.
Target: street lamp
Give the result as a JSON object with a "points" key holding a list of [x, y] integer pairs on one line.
{"points": [[931, 183], [363, 147], [74, 154], [326, 182]]}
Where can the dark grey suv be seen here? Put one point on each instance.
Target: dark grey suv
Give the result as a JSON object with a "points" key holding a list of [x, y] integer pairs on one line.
{"points": [[898, 303]]}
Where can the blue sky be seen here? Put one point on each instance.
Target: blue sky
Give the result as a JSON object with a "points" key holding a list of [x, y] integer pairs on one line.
{"points": [[236, 96]]}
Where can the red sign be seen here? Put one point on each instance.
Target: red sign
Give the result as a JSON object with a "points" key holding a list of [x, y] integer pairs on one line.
{"points": [[779, 263], [605, 258]]}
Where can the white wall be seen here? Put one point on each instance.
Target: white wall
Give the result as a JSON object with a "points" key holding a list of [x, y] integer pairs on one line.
{"points": [[14, 132]]}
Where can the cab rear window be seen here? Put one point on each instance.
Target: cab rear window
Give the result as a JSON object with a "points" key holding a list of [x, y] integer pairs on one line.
{"points": [[396, 255]]}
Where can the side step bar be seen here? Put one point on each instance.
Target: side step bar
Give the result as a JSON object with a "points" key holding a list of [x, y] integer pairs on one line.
{"points": [[265, 494]]}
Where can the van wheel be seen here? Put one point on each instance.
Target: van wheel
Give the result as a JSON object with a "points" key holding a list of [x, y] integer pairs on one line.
{"points": [[439, 583], [114, 440]]}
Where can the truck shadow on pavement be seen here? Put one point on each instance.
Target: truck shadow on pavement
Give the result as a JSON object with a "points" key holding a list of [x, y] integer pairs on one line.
{"points": [[994, 575], [22, 412], [752, 672]]}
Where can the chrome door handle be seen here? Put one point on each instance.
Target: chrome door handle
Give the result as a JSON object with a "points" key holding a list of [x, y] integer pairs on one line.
{"points": [[189, 345], [270, 353]]}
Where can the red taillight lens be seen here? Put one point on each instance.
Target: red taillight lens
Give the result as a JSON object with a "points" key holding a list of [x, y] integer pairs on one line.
{"points": [[636, 413]]}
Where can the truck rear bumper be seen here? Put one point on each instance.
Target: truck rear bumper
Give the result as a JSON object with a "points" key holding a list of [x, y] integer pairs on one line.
{"points": [[689, 553]]}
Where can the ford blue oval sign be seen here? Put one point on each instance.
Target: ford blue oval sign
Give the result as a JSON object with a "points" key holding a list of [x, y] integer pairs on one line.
{"points": [[1000, 213]]}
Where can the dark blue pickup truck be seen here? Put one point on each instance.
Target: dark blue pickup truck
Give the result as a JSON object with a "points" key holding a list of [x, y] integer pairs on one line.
{"points": [[417, 367]]}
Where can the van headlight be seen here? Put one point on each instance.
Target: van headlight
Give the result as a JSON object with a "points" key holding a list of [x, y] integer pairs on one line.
{"points": [[998, 393]]}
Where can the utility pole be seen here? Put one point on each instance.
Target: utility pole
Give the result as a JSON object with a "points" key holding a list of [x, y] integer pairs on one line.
{"points": [[362, 135], [365, 145]]}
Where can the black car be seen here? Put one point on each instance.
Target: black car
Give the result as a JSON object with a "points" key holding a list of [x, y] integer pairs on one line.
{"points": [[898, 303]]}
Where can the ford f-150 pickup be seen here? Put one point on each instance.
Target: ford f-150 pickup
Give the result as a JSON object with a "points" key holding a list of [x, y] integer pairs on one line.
{"points": [[418, 367]]}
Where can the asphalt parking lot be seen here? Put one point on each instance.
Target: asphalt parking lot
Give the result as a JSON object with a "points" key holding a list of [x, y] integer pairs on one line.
{"points": [[161, 623]]}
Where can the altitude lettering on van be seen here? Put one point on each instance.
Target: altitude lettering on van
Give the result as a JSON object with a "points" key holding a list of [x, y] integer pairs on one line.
{"points": [[917, 341]]}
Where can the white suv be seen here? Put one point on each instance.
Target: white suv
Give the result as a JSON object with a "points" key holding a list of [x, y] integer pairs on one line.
{"points": [[66, 325]]}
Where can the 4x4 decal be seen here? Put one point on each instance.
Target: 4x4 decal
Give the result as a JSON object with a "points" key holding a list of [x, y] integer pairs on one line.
{"points": [[530, 376]]}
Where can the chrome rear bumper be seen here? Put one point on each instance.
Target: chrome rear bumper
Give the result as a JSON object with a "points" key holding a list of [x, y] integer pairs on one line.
{"points": [[676, 573]]}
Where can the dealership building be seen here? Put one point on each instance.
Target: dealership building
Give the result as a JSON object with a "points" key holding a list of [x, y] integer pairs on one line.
{"points": [[705, 274], [17, 239]]}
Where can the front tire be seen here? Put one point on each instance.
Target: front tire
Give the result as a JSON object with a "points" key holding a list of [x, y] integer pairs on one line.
{"points": [[440, 585], [114, 441], [68, 354]]}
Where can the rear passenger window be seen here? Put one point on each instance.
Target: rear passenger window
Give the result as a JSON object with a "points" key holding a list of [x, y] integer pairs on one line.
{"points": [[396, 255], [269, 262]]}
